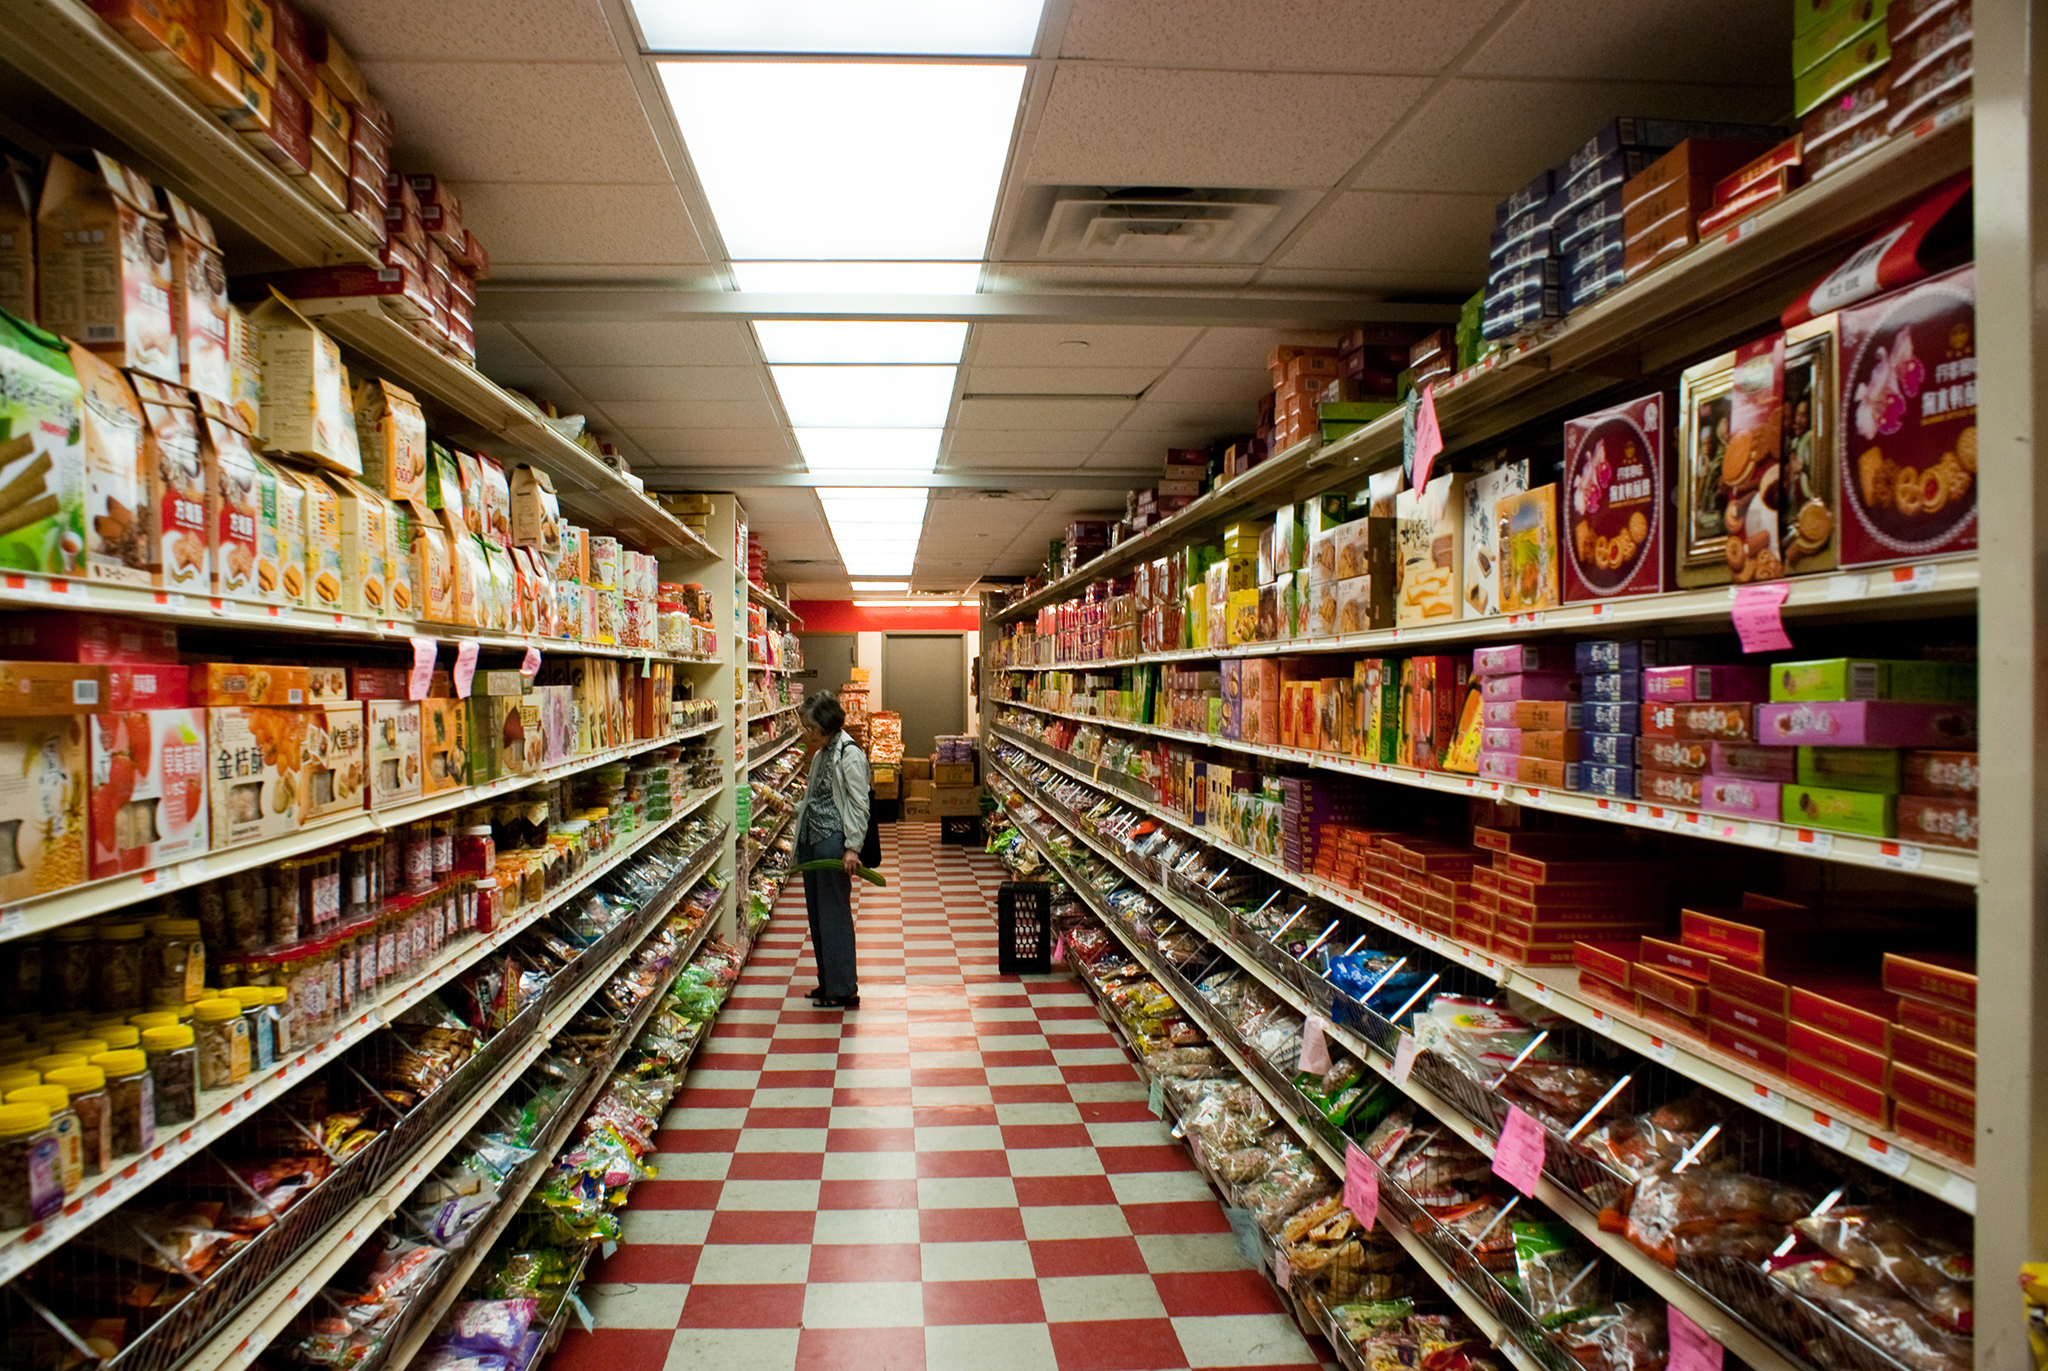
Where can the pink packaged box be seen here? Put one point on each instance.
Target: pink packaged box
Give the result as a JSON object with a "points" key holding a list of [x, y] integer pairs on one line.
{"points": [[1684, 684], [1740, 795], [1498, 713], [1866, 723], [1753, 763], [1508, 740], [1513, 657], [1500, 766], [1530, 685]]}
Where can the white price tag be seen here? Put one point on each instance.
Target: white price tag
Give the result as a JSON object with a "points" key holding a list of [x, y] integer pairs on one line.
{"points": [[1961, 1192], [1538, 991], [171, 599], [1885, 1157], [1906, 580], [1666, 819], [1833, 1132], [13, 922], [1602, 1024], [1663, 1051], [1852, 586], [1899, 856], [226, 609], [1810, 841], [1761, 833], [1766, 1100]]}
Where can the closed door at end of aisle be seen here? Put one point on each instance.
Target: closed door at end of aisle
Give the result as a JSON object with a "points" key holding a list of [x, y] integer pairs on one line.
{"points": [[924, 678]]}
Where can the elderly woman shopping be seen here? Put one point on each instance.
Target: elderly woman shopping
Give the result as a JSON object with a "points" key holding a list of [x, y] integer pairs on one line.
{"points": [[831, 821]]}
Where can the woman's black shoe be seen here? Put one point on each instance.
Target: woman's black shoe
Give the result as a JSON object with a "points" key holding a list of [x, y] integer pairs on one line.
{"points": [[839, 1002], [816, 992]]}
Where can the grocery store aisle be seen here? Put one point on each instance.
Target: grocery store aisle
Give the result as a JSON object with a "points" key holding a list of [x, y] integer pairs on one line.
{"points": [[961, 1174]]}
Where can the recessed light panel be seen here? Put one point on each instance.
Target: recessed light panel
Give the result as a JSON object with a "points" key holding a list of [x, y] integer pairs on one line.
{"points": [[852, 341], [850, 161], [858, 278], [865, 397], [870, 449], [937, 28]]}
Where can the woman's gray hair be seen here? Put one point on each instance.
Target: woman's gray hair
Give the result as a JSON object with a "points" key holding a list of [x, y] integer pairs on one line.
{"points": [[822, 712]]}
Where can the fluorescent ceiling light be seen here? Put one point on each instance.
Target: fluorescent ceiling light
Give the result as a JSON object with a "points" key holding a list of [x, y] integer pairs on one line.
{"points": [[858, 278], [984, 28], [847, 160], [870, 449], [865, 397], [872, 507], [822, 341], [881, 585], [916, 604]]}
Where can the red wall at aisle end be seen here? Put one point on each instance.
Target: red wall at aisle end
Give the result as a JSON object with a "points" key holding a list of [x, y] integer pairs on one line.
{"points": [[844, 616]]}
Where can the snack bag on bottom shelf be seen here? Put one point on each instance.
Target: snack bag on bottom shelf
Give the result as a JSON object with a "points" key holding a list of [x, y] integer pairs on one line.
{"points": [[119, 544], [103, 265], [175, 466], [42, 463]]}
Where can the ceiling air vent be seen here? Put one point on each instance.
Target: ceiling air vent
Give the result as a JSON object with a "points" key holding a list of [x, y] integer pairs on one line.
{"points": [[1161, 224]]}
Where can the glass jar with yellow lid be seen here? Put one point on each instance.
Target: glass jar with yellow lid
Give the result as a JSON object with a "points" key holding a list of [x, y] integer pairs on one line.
{"points": [[176, 962], [64, 1123], [88, 1087], [131, 1097], [173, 1055], [67, 969], [223, 1042], [31, 1185], [262, 1041]]}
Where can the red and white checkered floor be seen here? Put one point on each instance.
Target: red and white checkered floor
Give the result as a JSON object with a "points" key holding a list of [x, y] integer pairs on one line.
{"points": [[961, 1175]]}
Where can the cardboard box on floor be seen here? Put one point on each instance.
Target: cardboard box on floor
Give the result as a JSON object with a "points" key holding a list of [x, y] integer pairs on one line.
{"points": [[950, 801], [953, 773], [916, 789], [915, 809], [917, 768]]}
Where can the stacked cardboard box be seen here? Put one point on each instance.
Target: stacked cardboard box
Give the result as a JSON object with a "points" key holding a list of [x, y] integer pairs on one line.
{"points": [[1661, 204], [1299, 375], [1545, 892]]}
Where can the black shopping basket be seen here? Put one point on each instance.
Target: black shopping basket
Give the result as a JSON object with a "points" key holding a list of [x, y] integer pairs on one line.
{"points": [[1024, 928]]}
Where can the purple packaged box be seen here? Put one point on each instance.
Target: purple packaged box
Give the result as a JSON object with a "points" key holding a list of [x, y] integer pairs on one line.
{"points": [[1501, 740], [1526, 198], [1513, 657], [1530, 685], [1866, 723], [1593, 216], [1500, 766], [1611, 685], [1742, 795], [1610, 654], [1610, 782], [1608, 749], [1233, 696], [1753, 763], [1608, 716], [1697, 681]]}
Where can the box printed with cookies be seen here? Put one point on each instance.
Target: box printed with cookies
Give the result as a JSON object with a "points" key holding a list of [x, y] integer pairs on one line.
{"points": [[1909, 422], [1428, 538], [1616, 484], [233, 506], [148, 802], [120, 536], [175, 463]]}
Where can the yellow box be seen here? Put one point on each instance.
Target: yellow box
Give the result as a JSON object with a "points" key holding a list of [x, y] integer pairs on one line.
{"points": [[433, 573], [365, 519], [444, 745], [306, 408], [291, 537], [1243, 620]]}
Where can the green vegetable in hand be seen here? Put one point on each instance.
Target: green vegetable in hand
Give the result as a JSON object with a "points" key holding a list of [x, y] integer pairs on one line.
{"points": [[868, 874]]}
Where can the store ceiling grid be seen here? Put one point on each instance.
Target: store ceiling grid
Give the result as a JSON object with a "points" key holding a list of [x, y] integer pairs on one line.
{"points": [[1394, 129]]}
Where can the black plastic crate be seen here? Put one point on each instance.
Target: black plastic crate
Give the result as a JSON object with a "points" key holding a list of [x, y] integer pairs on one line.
{"points": [[1024, 928], [963, 830]]}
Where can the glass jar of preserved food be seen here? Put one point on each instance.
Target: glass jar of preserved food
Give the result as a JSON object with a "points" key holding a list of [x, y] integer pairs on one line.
{"points": [[223, 1038], [362, 870], [177, 961], [174, 1068], [444, 846], [67, 969], [157, 1018], [484, 902], [86, 1047], [31, 1185], [131, 1100], [476, 852], [262, 1041], [418, 838], [88, 1088], [64, 1123], [291, 904]]}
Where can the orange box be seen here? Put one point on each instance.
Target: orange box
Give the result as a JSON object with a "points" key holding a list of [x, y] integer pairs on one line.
{"points": [[1761, 1051], [1936, 1131], [1606, 994], [1926, 1053], [1686, 1025], [1845, 1008], [166, 32], [30, 690], [224, 683], [1677, 959], [1940, 978], [1613, 962], [1932, 1095], [1687, 997], [1951, 1026], [1846, 1093]]}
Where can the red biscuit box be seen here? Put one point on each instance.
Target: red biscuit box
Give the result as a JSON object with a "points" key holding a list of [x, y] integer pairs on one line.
{"points": [[1569, 872], [1927, 772], [97, 639], [1746, 1018], [1610, 961], [1908, 444], [1936, 1131], [1939, 820], [1616, 493], [1741, 934], [1767, 993], [1932, 1095], [1942, 978], [1531, 954], [1692, 963], [1674, 754], [1845, 1092], [1653, 983], [1939, 1021], [1686, 1025], [1844, 1007], [1759, 1051], [1505, 925], [1926, 1053], [1722, 721], [1668, 788], [1854, 1060], [1606, 994]]}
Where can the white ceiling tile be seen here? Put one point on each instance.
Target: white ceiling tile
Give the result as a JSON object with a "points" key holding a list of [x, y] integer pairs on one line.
{"points": [[1382, 283], [1375, 230], [1627, 40], [560, 226], [631, 414], [1074, 345], [1218, 417], [1189, 385], [498, 345], [1103, 380], [1303, 34], [1152, 443], [520, 121], [713, 442], [475, 30], [1016, 461], [995, 442], [1249, 347], [1024, 276], [720, 461], [1041, 414], [666, 383], [1127, 126], [641, 344], [1488, 137]]}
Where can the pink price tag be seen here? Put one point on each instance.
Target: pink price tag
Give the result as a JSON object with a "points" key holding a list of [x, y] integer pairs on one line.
{"points": [[1429, 439], [465, 667], [1757, 616], [1315, 1048], [1691, 1348], [1361, 1186], [531, 666], [1518, 1157], [423, 653]]}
